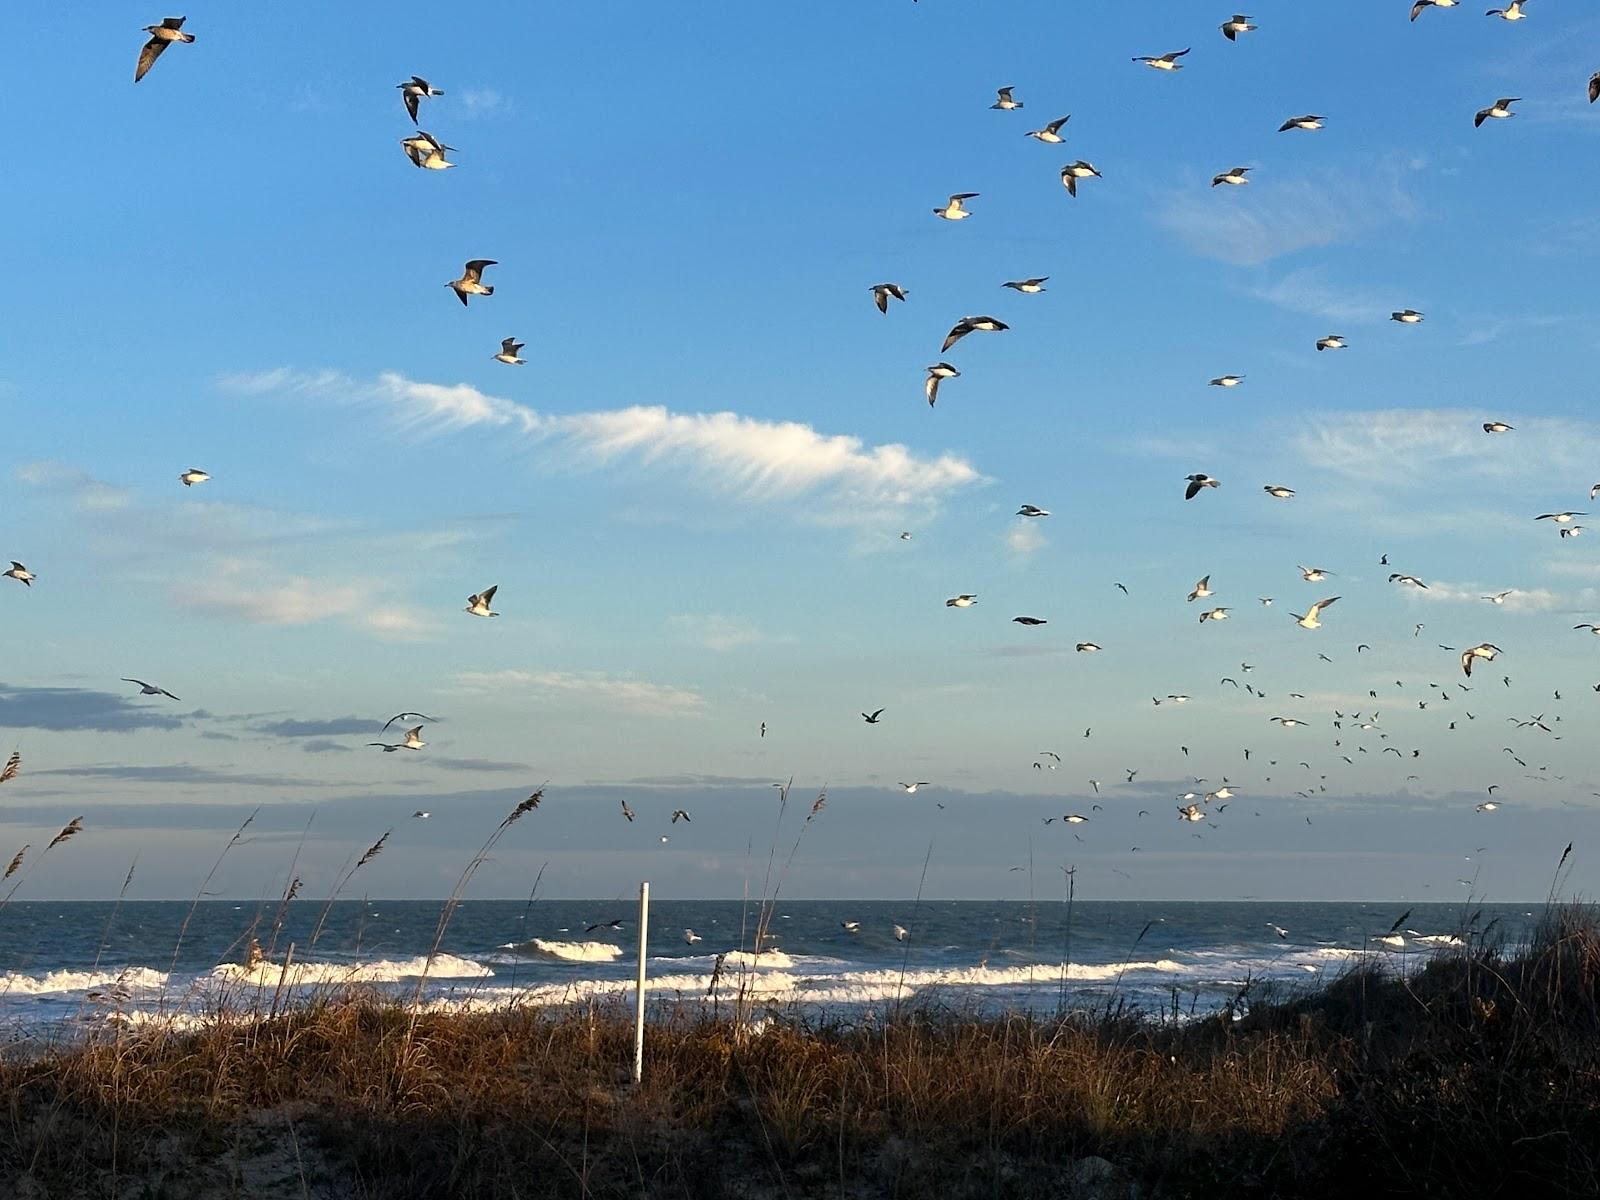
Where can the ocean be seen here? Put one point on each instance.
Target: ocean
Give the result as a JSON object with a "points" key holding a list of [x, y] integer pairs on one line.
{"points": [[66, 966]]}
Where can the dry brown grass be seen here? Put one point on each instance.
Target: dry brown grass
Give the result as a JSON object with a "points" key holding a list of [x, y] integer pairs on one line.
{"points": [[1478, 1076]]}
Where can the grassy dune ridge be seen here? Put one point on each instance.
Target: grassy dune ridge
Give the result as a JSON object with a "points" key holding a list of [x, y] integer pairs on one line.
{"points": [[1477, 1075]]}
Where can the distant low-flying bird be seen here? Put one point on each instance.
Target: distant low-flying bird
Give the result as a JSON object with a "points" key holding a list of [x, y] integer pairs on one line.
{"points": [[616, 924], [1197, 483], [1051, 133], [680, 814], [882, 293], [901, 933], [1484, 650], [1487, 806], [413, 739], [414, 91], [510, 350], [421, 815], [1560, 518], [1422, 4], [1032, 510], [1332, 342], [953, 209], [150, 689], [1571, 531], [1278, 492], [1006, 101], [1235, 25], [691, 937], [1162, 62], [20, 573], [873, 717], [1594, 629], [910, 789], [388, 747], [962, 601], [193, 476], [937, 373], [1072, 172], [1314, 574], [478, 603], [1029, 621], [1309, 620], [1408, 580], [1075, 819], [1498, 111], [1511, 12], [1233, 176], [1202, 589], [161, 36], [1214, 614], [1407, 316], [471, 281], [1498, 597], [627, 812], [1227, 381], [1497, 427], [1087, 648], [426, 151], [850, 926], [970, 325], [1287, 722], [1028, 287]]}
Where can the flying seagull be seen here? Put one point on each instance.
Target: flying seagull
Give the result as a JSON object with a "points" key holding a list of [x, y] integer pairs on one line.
{"points": [[478, 603], [1497, 427], [1028, 287], [1162, 62], [1032, 510], [969, 324], [1332, 342], [690, 936], [882, 292], [681, 814], [413, 91], [910, 789], [510, 350], [1310, 122], [930, 386], [471, 281], [1005, 101], [1051, 133], [161, 36], [406, 716], [872, 717], [426, 151], [1498, 597], [413, 739], [193, 476], [1422, 4], [1235, 25], [1214, 614], [1087, 647], [21, 574], [1235, 176], [1197, 483], [1227, 381], [1484, 650], [1029, 621], [1407, 316], [953, 211], [627, 812], [1409, 580], [1511, 12], [1278, 492], [421, 815], [961, 601], [1309, 621], [150, 689], [1498, 111], [901, 933], [1072, 172], [1560, 518], [1202, 589]]}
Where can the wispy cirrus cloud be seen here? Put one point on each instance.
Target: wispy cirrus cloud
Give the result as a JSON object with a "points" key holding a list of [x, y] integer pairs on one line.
{"points": [[724, 451], [715, 631], [1025, 537], [1517, 599], [1307, 291], [1412, 447], [247, 592], [611, 692], [1274, 217], [85, 491]]}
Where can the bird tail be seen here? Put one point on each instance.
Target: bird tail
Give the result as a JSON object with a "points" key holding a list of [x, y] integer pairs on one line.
{"points": [[488, 291]]}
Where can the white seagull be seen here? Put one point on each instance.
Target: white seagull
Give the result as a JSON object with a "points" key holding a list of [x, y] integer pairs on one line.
{"points": [[1235, 25], [1006, 102], [1234, 176], [1511, 12], [1028, 287], [478, 603], [426, 151], [413, 91], [1310, 121], [970, 324], [1407, 316], [20, 573], [1278, 492], [1422, 4], [1201, 590], [1162, 62], [1497, 427], [161, 36], [1309, 621], [1072, 172], [150, 689], [953, 210], [1333, 341], [471, 281], [1032, 510], [193, 476], [883, 292], [1314, 574], [930, 386], [1197, 483], [961, 601], [1227, 381], [1484, 650], [1051, 133], [510, 349], [1498, 111]]}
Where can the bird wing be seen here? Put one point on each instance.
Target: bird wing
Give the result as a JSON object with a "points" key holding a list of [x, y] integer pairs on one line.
{"points": [[474, 269], [964, 196], [1320, 605], [880, 297], [1193, 490], [957, 331], [147, 57], [487, 595], [411, 100], [1056, 125], [168, 695]]}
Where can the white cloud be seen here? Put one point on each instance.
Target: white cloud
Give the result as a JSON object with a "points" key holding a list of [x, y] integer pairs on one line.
{"points": [[1306, 291], [1274, 217], [1025, 537], [724, 451], [483, 101], [715, 631], [245, 591], [1412, 447], [605, 691], [1520, 599], [87, 492]]}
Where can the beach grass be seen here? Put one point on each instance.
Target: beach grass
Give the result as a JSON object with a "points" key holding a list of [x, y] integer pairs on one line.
{"points": [[1476, 1075]]}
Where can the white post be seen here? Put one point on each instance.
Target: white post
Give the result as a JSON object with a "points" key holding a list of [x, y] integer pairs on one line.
{"points": [[638, 1017]]}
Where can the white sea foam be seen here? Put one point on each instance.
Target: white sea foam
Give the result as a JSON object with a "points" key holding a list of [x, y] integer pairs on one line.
{"points": [[309, 974], [570, 951], [136, 979]]}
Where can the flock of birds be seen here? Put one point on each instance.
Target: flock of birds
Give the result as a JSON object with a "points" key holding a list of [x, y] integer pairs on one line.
{"points": [[1203, 802]]}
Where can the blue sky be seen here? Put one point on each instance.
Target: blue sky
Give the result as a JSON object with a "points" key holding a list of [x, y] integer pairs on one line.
{"points": [[691, 495]]}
